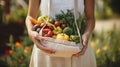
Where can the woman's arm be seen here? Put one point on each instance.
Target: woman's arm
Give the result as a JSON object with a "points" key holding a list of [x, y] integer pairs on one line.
{"points": [[90, 24], [90, 19], [33, 8], [33, 12]]}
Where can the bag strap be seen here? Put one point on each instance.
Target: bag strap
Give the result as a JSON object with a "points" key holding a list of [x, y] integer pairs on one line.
{"points": [[48, 17], [49, 6], [76, 16]]}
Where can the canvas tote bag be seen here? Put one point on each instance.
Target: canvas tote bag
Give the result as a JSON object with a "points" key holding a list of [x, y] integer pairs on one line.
{"points": [[63, 48]]}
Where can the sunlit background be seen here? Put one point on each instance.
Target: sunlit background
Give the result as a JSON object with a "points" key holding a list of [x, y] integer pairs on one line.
{"points": [[16, 47]]}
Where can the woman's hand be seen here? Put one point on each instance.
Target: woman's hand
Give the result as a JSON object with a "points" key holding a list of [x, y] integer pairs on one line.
{"points": [[33, 12], [36, 39], [85, 39], [90, 24]]}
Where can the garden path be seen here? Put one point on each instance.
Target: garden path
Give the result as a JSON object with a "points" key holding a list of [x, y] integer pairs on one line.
{"points": [[107, 24]]}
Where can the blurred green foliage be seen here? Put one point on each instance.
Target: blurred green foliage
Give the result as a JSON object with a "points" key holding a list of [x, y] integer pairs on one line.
{"points": [[107, 48], [20, 52], [110, 9], [18, 16]]}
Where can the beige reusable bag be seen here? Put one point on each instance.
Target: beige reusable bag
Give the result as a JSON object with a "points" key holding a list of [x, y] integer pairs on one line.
{"points": [[63, 48]]}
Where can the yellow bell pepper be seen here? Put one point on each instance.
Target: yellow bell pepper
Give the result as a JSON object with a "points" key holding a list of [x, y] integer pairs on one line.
{"points": [[62, 36], [57, 30]]}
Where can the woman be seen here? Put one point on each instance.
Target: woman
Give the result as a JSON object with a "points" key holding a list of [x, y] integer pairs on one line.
{"points": [[85, 58]]}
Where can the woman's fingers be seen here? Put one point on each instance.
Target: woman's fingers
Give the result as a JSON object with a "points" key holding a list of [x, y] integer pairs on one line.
{"points": [[39, 42], [41, 39], [85, 44], [82, 52], [85, 40], [34, 37], [42, 47]]}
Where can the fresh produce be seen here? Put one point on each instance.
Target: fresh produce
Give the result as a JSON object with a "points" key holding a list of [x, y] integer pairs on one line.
{"points": [[42, 19], [33, 21], [38, 30], [57, 23], [68, 31], [63, 25], [35, 27], [75, 38], [47, 33], [57, 30], [68, 18], [42, 24], [62, 36], [51, 27]]}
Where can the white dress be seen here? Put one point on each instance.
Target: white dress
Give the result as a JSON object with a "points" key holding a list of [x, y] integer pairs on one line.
{"points": [[38, 59]]}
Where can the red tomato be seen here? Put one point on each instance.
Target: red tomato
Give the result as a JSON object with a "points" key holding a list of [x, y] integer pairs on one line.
{"points": [[47, 32], [57, 23], [50, 27], [63, 26]]}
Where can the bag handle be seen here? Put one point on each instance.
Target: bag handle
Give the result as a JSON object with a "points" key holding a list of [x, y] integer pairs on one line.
{"points": [[75, 17], [49, 6], [47, 19]]}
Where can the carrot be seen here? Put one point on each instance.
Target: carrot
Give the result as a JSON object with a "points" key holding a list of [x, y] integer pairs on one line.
{"points": [[33, 21]]}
